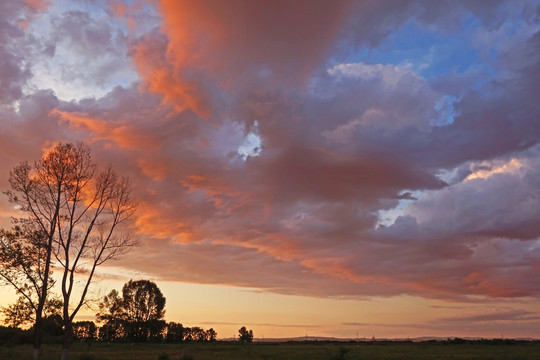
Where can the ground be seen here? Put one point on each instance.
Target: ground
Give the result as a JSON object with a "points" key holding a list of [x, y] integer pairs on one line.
{"points": [[288, 351]]}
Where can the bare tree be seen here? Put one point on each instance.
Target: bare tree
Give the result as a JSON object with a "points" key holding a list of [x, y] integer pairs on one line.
{"points": [[36, 190], [81, 210], [97, 204]]}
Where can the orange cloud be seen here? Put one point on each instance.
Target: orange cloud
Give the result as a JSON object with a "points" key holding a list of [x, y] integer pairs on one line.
{"points": [[118, 8], [160, 77], [250, 33], [37, 5], [157, 223], [225, 197], [156, 170], [222, 40], [123, 135], [511, 166], [333, 267]]}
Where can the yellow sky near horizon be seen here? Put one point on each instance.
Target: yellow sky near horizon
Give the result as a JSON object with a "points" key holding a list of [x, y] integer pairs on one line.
{"points": [[227, 308]]}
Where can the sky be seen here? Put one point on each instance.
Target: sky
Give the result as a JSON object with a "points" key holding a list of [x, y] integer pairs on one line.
{"points": [[322, 168]]}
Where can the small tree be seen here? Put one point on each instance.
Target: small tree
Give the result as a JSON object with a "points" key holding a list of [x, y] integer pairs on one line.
{"points": [[111, 315], [175, 332], [143, 301], [25, 265], [211, 335], [23, 253], [198, 334], [245, 336], [140, 310]]}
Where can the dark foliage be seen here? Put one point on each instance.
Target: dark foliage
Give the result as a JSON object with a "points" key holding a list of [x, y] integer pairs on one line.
{"points": [[245, 335], [84, 330], [136, 316], [13, 336], [53, 325], [175, 332]]}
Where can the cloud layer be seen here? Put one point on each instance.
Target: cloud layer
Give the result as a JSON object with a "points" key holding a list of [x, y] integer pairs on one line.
{"points": [[268, 149]]}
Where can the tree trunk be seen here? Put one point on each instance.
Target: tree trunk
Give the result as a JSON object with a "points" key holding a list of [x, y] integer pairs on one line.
{"points": [[65, 354], [67, 340], [43, 295], [37, 338]]}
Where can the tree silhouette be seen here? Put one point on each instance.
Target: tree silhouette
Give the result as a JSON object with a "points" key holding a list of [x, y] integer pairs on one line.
{"points": [[198, 334], [111, 314], [96, 202], [175, 332], [74, 213], [211, 335], [84, 330], [27, 249], [53, 325], [143, 301], [144, 307], [22, 311], [138, 312], [23, 253], [188, 335], [245, 335], [37, 190]]}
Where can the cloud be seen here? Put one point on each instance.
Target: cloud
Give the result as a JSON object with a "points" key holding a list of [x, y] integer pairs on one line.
{"points": [[71, 36], [24, 133], [470, 208], [340, 139], [354, 178], [14, 70], [83, 36], [332, 156], [492, 316], [489, 322], [262, 325]]}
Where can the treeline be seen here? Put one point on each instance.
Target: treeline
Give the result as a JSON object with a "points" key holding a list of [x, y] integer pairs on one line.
{"points": [[171, 332], [134, 315], [151, 331]]}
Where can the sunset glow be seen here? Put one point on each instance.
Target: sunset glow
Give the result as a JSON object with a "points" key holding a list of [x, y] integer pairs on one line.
{"points": [[323, 168]]}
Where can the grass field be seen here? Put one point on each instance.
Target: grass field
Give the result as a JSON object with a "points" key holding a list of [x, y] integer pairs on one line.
{"points": [[287, 351]]}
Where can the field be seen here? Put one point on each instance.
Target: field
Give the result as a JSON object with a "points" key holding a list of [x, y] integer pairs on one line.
{"points": [[288, 351]]}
